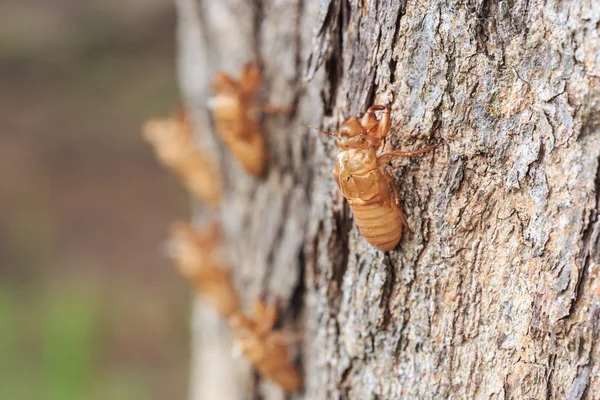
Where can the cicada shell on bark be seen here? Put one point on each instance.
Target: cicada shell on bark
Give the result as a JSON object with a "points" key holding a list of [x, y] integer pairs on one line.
{"points": [[237, 113], [174, 145], [265, 348], [199, 259], [360, 174]]}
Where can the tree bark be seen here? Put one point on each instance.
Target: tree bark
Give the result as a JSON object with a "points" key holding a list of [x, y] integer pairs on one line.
{"points": [[496, 294]]}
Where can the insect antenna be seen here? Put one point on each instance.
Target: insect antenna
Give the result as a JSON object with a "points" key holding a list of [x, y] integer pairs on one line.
{"points": [[325, 132]]}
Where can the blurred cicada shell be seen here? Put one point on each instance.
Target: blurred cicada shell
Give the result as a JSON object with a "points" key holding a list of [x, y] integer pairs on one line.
{"points": [[237, 113], [265, 348], [173, 142], [199, 259]]}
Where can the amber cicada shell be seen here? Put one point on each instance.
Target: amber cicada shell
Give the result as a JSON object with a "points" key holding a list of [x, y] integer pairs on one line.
{"points": [[237, 113], [199, 259], [174, 145], [360, 174], [265, 348]]}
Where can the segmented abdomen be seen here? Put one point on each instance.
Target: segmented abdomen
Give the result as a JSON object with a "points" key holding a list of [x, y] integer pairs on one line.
{"points": [[380, 224]]}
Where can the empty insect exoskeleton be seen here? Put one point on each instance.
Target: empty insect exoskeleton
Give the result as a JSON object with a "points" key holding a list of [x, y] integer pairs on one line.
{"points": [[237, 117], [265, 348], [199, 259], [173, 142], [361, 176]]}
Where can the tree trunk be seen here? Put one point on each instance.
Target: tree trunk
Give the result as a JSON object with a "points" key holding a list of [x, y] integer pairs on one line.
{"points": [[496, 293]]}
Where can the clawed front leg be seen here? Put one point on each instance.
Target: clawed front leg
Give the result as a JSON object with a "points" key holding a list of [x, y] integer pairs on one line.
{"points": [[377, 128]]}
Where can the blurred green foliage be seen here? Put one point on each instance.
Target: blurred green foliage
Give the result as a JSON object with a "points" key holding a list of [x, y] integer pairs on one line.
{"points": [[49, 349], [69, 316]]}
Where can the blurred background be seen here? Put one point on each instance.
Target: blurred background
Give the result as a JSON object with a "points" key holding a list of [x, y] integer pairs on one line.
{"points": [[89, 307]]}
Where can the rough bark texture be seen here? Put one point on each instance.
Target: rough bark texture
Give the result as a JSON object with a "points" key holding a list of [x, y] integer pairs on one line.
{"points": [[497, 292]]}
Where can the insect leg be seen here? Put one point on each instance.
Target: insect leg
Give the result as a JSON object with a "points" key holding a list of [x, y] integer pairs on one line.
{"points": [[377, 128], [378, 107], [271, 109], [393, 185], [322, 131], [265, 316], [284, 338], [369, 120], [387, 157], [391, 182], [384, 123], [403, 220]]}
